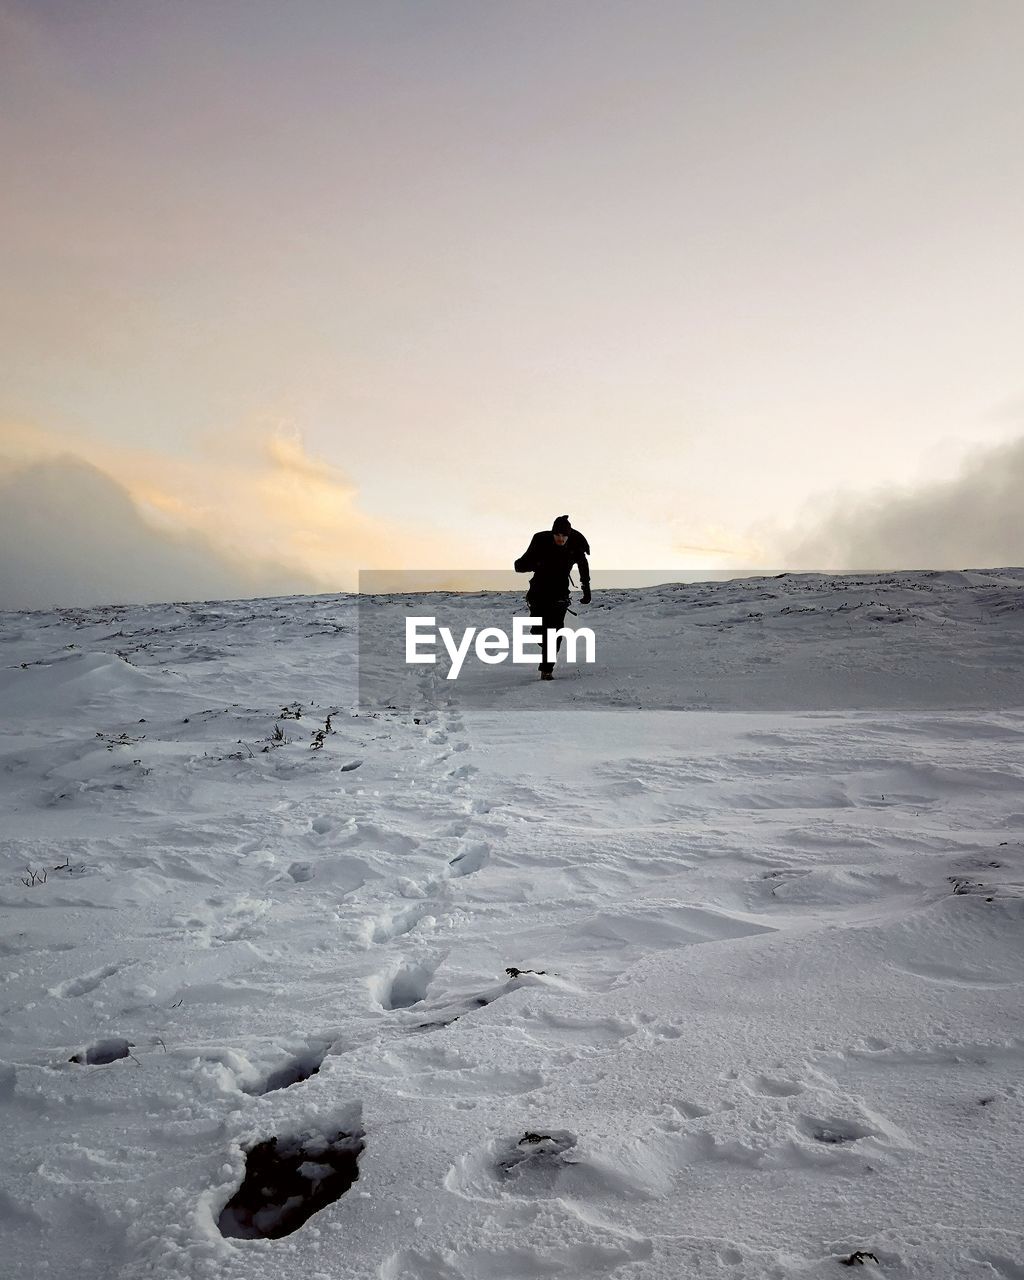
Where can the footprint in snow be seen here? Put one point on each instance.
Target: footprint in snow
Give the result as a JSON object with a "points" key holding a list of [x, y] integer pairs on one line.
{"points": [[470, 860], [401, 922], [772, 1087], [534, 1150], [447, 1009], [288, 1179], [402, 987], [676, 1114], [102, 1052], [835, 1131], [303, 1066], [543, 1162], [529, 1163], [81, 986]]}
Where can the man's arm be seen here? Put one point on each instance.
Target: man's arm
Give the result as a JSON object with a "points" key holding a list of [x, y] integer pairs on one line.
{"points": [[527, 562], [584, 568]]}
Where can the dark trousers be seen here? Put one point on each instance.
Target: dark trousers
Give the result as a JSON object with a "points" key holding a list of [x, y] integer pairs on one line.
{"points": [[552, 613]]}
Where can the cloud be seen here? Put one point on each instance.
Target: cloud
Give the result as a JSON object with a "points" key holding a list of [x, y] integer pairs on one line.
{"points": [[254, 514], [971, 521], [71, 535]]}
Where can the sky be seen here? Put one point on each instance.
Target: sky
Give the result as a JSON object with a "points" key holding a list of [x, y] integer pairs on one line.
{"points": [[293, 290]]}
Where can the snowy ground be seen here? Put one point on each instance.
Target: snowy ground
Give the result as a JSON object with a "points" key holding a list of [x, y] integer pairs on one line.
{"points": [[767, 857]]}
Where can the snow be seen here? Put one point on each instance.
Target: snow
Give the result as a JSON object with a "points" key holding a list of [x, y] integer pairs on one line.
{"points": [[702, 961]]}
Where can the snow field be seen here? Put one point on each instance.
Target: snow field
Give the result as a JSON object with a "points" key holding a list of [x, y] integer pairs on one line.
{"points": [[705, 962]]}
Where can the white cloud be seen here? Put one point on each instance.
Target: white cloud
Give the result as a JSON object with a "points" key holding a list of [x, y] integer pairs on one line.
{"points": [[971, 521]]}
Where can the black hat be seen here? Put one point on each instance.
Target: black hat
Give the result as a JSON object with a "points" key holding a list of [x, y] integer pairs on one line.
{"points": [[561, 525]]}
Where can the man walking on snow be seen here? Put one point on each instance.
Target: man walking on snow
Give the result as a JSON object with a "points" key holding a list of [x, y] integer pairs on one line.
{"points": [[550, 558]]}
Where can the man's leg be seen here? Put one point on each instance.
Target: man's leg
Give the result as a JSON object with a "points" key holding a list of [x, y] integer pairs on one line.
{"points": [[539, 629], [554, 618], [537, 609]]}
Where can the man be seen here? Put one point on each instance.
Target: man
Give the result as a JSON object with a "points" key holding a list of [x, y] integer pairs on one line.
{"points": [[550, 558]]}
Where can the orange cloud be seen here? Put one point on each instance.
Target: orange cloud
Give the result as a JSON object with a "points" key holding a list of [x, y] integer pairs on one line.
{"points": [[255, 496]]}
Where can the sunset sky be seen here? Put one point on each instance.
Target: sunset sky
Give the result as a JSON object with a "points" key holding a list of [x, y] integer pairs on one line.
{"points": [[292, 289]]}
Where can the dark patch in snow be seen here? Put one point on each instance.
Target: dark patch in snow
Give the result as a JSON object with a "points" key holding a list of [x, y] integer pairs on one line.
{"points": [[450, 1011], [535, 1150], [962, 885], [100, 1052], [470, 860], [302, 1067], [836, 1133], [287, 1180], [407, 987], [833, 1137]]}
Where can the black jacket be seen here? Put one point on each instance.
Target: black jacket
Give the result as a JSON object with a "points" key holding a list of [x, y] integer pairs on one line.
{"points": [[551, 564]]}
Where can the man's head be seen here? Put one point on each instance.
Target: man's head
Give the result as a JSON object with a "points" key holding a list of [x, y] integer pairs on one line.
{"points": [[561, 529]]}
